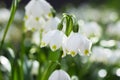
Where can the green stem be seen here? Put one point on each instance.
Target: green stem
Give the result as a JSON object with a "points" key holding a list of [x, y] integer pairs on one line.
{"points": [[52, 66], [12, 14], [1, 78], [21, 74]]}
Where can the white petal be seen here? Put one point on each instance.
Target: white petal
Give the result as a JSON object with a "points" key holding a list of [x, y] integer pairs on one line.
{"points": [[33, 23], [35, 67], [78, 43], [59, 75], [36, 37], [64, 46], [4, 15], [46, 38], [85, 46], [38, 8], [33, 8], [73, 43], [45, 6], [52, 24], [56, 41], [29, 5], [5, 63], [92, 30]]}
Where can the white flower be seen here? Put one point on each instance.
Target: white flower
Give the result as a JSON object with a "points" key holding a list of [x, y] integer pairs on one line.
{"points": [[38, 8], [4, 15], [77, 43], [35, 67], [14, 33], [46, 38], [115, 57], [5, 64], [34, 23], [101, 54], [57, 40], [59, 75], [54, 38], [90, 29], [108, 16], [36, 38], [114, 29], [51, 24]]}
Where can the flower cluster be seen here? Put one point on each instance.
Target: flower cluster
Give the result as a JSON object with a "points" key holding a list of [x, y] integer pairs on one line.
{"points": [[91, 29], [105, 55], [40, 17]]}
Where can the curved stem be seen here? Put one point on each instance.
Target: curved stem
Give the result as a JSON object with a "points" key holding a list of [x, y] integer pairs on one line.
{"points": [[12, 14], [51, 67]]}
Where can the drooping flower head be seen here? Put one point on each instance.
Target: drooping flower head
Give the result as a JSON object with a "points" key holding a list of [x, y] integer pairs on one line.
{"points": [[77, 43], [38, 8], [37, 14], [90, 29], [51, 24], [53, 38]]}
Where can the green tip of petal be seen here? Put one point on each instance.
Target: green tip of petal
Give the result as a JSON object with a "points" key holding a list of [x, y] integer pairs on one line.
{"points": [[33, 29], [73, 53], [43, 44], [37, 18], [86, 52], [26, 17], [54, 47], [63, 55], [50, 14]]}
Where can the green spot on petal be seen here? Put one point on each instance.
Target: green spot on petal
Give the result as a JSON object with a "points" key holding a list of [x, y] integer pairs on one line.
{"points": [[43, 44], [37, 19], [26, 17], [86, 52], [73, 53], [54, 47], [50, 14]]}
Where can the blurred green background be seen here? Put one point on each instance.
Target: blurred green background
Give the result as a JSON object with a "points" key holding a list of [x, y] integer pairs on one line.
{"points": [[21, 58]]}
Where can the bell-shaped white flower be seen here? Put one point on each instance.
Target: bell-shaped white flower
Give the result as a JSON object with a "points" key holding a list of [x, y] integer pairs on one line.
{"points": [[35, 67], [59, 75], [90, 29], [54, 38], [46, 38], [51, 24], [34, 23], [36, 38], [57, 40], [38, 8], [5, 64], [113, 30], [77, 43], [101, 54]]}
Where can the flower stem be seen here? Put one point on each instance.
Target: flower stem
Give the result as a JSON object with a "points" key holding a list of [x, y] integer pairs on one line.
{"points": [[51, 67], [12, 14]]}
